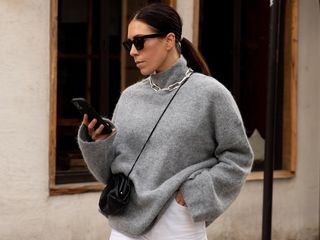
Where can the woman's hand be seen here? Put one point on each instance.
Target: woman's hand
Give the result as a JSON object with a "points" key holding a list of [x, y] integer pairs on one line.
{"points": [[180, 199], [95, 134]]}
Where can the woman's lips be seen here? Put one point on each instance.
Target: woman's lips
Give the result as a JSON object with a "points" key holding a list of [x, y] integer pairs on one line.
{"points": [[138, 63]]}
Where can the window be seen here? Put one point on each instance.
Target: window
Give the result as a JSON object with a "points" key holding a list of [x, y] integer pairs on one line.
{"points": [[86, 61], [86, 38], [234, 41]]}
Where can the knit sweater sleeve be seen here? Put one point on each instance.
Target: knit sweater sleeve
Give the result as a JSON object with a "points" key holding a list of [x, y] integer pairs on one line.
{"points": [[97, 155], [209, 192]]}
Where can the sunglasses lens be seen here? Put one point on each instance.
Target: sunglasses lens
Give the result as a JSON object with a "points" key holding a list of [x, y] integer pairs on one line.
{"points": [[127, 45], [138, 43]]}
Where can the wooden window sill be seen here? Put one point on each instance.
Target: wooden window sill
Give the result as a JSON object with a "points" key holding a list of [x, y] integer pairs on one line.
{"points": [[277, 174], [75, 188]]}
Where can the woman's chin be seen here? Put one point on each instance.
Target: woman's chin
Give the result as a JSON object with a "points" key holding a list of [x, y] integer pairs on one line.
{"points": [[145, 72]]}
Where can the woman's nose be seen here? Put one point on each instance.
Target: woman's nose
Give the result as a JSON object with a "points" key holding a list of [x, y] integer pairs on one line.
{"points": [[133, 51]]}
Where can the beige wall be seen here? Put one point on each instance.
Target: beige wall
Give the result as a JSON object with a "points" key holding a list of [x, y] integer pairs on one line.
{"points": [[185, 9], [28, 212]]}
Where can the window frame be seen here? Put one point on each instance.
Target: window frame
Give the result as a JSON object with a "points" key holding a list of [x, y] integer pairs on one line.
{"points": [[70, 188], [289, 133]]}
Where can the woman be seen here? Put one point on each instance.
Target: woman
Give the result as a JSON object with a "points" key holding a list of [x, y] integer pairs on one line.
{"points": [[198, 156]]}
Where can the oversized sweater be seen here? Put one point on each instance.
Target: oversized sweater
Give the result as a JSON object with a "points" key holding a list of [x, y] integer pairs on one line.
{"points": [[199, 147]]}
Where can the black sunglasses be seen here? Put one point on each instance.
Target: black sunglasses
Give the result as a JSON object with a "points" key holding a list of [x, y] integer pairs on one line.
{"points": [[138, 41]]}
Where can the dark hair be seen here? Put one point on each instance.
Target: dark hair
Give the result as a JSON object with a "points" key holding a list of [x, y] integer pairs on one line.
{"points": [[165, 19]]}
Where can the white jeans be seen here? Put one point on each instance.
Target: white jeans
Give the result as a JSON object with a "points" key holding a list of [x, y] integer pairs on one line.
{"points": [[175, 224]]}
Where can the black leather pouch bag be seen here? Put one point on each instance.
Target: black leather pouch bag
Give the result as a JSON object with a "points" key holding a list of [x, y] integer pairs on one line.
{"points": [[115, 196]]}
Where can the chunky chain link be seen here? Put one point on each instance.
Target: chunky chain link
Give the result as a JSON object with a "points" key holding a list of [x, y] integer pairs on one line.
{"points": [[171, 87]]}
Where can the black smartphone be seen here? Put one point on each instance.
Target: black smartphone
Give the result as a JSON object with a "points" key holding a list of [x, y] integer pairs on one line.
{"points": [[85, 108]]}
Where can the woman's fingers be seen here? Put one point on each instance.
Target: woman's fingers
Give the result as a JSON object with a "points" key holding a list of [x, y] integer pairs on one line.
{"points": [[85, 120], [91, 127], [95, 134]]}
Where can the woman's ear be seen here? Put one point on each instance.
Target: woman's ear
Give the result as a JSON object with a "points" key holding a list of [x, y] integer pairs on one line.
{"points": [[170, 40]]}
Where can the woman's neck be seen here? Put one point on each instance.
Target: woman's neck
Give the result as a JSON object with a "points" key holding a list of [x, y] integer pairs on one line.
{"points": [[170, 61]]}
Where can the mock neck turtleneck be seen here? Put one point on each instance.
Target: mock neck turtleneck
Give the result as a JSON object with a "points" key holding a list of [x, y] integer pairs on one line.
{"points": [[174, 74]]}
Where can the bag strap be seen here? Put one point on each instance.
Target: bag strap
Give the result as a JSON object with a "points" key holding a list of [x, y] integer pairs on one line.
{"points": [[188, 74]]}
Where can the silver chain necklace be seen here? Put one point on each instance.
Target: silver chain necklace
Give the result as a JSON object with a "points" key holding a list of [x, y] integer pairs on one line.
{"points": [[171, 87]]}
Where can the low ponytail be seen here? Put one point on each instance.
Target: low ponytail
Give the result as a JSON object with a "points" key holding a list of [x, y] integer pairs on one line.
{"points": [[165, 19], [194, 58]]}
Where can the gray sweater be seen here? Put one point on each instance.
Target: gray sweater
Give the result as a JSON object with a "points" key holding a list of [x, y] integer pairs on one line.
{"points": [[200, 147]]}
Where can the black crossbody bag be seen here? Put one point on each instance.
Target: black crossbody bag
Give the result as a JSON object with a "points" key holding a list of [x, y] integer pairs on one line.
{"points": [[116, 194]]}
